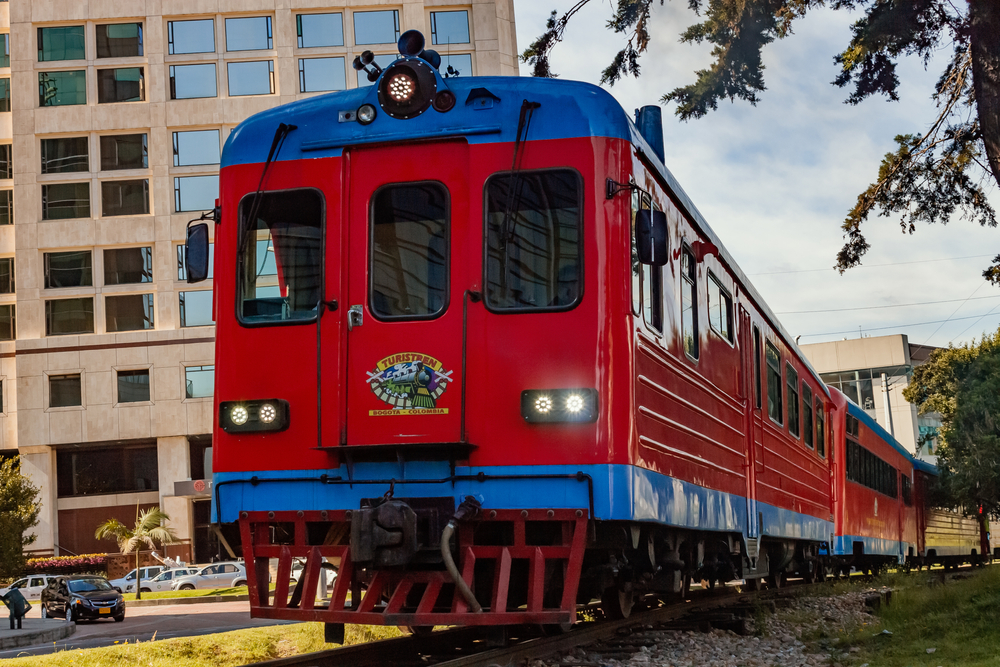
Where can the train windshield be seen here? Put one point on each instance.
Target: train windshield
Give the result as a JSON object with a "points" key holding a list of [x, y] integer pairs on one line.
{"points": [[533, 229], [281, 257]]}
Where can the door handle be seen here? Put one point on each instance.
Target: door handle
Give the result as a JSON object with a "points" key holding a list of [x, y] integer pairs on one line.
{"points": [[355, 317]]}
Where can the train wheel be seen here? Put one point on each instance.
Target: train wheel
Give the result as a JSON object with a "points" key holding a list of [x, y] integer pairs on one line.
{"points": [[617, 603], [418, 630], [821, 572], [685, 586], [776, 580], [756, 584]]}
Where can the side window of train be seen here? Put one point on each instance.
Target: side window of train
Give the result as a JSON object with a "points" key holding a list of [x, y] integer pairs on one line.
{"points": [[409, 251], [281, 257], [793, 399], [907, 491], [774, 389], [652, 286], [807, 415], [636, 200], [534, 232], [720, 308], [756, 364], [820, 429], [689, 302]]}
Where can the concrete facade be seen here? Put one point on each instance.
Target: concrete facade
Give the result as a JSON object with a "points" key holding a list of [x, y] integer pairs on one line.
{"points": [[855, 366], [55, 432]]}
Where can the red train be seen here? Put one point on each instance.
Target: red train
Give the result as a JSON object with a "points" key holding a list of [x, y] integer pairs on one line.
{"points": [[478, 352]]}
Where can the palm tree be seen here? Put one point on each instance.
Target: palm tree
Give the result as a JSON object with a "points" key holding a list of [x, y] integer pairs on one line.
{"points": [[148, 529]]}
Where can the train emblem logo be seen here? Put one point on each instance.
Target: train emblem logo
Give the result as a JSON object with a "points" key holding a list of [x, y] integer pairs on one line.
{"points": [[411, 383]]}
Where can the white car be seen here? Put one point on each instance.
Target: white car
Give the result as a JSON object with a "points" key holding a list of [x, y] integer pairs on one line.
{"points": [[147, 573], [219, 575], [30, 587], [298, 568], [163, 580]]}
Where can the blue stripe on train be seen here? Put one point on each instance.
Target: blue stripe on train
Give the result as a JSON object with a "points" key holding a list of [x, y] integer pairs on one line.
{"points": [[621, 493], [843, 545]]}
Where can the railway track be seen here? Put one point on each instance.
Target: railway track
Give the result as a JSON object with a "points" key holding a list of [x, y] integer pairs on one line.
{"points": [[469, 647]]}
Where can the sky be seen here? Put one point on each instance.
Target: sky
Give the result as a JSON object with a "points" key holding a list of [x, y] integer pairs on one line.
{"points": [[775, 181]]}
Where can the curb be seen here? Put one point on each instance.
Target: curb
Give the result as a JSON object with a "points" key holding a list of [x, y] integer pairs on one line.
{"points": [[201, 599], [53, 634]]}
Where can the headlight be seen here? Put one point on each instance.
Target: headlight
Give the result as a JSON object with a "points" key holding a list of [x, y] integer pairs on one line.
{"points": [[366, 114], [559, 405], [407, 88], [253, 416]]}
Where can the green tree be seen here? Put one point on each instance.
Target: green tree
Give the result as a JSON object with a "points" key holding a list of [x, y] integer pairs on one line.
{"points": [[962, 385], [148, 530], [931, 175], [19, 508]]}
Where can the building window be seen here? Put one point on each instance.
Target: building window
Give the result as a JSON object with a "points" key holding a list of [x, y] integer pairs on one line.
{"points": [[321, 75], [56, 89], [383, 60], [820, 429], [128, 266], [129, 312], [182, 262], [124, 151], [5, 94], [8, 323], [65, 155], [196, 148], [320, 30], [380, 27], [450, 27], [191, 36], [133, 386], [251, 78], [689, 302], [6, 207], [119, 40], [453, 65], [125, 84], [773, 359], [65, 200], [65, 391], [5, 50], [720, 308], [807, 415], [6, 166], [124, 197], [193, 81], [88, 472], [6, 275], [195, 193], [792, 378], [196, 309], [68, 269], [199, 381], [249, 34], [69, 316], [61, 43]]}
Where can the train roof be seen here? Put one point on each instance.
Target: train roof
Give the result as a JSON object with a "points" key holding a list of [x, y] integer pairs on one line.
{"points": [[855, 410], [584, 110]]}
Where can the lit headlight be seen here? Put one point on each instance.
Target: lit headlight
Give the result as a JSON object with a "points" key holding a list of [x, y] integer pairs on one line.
{"points": [[559, 405], [253, 416], [407, 88]]}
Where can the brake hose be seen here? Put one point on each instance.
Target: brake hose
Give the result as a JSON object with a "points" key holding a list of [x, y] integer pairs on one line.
{"points": [[468, 506]]}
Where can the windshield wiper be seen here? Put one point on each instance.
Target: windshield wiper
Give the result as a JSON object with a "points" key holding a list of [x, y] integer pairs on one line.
{"points": [[513, 191], [276, 144]]}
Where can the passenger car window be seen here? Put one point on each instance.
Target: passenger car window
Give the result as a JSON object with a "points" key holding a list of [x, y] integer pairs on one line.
{"points": [[409, 251], [773, 358], [534, 251], [720, 308], [281, 257], [689, 302]]}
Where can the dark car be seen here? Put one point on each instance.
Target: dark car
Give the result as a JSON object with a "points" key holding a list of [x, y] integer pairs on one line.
{"points": [[81, 597]]}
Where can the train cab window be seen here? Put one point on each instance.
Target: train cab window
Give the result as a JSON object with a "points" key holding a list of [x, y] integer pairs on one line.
{"points": [[820, 429], [689, 302], [720, 308], [756, 365], [281, 257], [773, 358], [807, 415], [652, 286], [534, 253], [409, 262], [792, 378]]}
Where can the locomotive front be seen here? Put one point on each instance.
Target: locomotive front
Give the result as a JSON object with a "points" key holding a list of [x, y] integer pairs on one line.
{"points": [[413, 366]]}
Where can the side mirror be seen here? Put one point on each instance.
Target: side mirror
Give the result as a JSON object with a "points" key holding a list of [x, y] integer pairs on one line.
{"points": [[196, 252], [651, 237]]}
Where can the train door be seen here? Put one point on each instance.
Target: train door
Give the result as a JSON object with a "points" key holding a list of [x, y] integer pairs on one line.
{"points": [[750, 344], [406, 265]]}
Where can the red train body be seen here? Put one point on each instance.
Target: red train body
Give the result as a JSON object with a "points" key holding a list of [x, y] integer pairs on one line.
{"points": [[440, 323]]}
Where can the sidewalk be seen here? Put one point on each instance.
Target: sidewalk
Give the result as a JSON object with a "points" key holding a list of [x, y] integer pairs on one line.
{"points": [[34, 631]]}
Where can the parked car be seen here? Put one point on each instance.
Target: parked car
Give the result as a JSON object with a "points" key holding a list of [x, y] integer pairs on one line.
{"points": [[298, 568], [217, 575], [79, 597], [163, 580], [30, 587], [147, 573]]}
